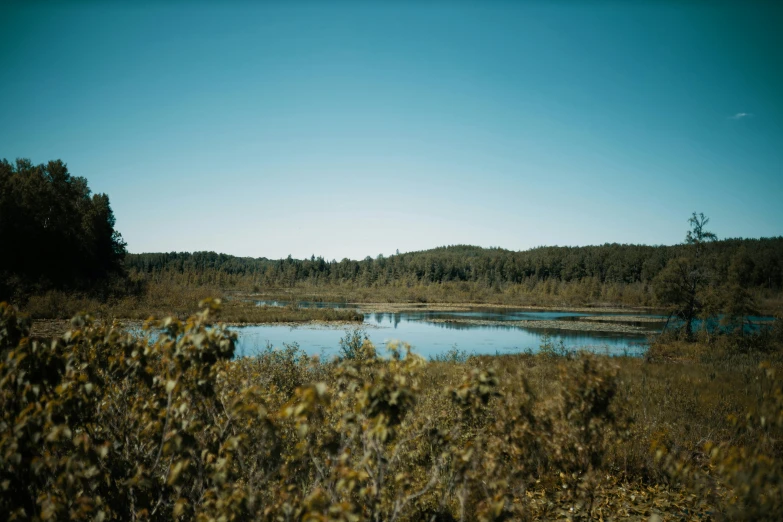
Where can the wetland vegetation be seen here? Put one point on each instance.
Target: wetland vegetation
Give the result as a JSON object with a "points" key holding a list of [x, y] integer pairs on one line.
{"points": [[114, 416], [102, 423]]}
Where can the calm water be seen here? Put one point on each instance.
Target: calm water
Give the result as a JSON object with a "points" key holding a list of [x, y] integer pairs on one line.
{"points": [[431, 339]]}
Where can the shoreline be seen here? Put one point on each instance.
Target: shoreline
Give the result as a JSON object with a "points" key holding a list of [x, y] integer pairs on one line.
{"points": [[396, 307], [52, 328], [623, 319], [549, 325], [604, 323], [315, 324]]}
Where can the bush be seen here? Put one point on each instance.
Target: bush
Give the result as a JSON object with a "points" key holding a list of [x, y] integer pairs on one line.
{"points": [[102, 424], [452, 355], [356, 345]]}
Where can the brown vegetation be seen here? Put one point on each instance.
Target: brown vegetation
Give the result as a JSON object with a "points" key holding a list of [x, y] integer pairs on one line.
{"points": [[593, 276], [548, 324], [102, 424], [164, 299]]}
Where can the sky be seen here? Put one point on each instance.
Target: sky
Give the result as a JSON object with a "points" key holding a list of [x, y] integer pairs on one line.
{"points": [[362, 128]]}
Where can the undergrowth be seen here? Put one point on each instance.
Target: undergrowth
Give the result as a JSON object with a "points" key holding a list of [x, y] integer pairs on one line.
{"points": [[101, 423]]}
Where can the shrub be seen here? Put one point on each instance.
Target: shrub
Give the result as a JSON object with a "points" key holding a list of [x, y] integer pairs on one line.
{"points": [[356, 345], [452, 355], [168, 424]]}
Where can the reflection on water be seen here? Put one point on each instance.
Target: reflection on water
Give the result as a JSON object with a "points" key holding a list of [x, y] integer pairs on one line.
{"points": [[430, 339]]}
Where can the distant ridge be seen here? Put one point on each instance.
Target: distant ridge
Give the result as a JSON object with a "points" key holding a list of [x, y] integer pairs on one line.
{"points": [[611, 262]]}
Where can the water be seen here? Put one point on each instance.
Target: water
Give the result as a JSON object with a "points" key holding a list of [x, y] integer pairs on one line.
{"points": [[432, 339]]}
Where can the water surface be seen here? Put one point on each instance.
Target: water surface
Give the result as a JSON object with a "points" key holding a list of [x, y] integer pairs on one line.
{"points": [[433, 339]]}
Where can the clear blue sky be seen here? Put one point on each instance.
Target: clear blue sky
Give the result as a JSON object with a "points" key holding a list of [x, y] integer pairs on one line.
{"points": [[354, 129]]}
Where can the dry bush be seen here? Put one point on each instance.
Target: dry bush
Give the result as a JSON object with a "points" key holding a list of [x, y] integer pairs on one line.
{"points": [[103, 424]]}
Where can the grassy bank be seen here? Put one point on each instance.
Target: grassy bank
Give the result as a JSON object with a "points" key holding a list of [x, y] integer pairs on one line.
{"points": [[178, 302], [575, 326], [176, 295], [179, 428], [555, 295]]}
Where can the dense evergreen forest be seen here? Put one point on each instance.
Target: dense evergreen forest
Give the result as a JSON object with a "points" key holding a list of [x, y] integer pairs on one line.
{"points": [[761, 261]]}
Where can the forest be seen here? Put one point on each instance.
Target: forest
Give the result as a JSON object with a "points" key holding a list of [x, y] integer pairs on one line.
{"points": [[66, 250], [732, 277], [603, 275], [140, 408], [494, 267]]}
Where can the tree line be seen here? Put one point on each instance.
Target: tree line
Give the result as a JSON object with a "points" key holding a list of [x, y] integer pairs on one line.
{"points": [[761, 262], [58, 235]]}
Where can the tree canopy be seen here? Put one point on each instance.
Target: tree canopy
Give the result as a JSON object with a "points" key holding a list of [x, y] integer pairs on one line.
{"points": [[55, 233], [609, 263]]}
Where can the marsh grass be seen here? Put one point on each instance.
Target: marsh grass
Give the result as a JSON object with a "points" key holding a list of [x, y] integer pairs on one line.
{"points": [[163, 294], [169, 300], [104, 424]]}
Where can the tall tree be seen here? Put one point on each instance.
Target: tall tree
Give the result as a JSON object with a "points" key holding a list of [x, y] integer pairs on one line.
{"points": [[54, 232], [681, 284], [697, 237]]}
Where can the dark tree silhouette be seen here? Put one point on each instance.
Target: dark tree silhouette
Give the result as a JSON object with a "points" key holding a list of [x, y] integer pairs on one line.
{"points": [[54, 232], [681, 284]]}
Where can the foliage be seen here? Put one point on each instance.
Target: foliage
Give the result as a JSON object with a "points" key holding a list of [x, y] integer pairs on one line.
{"points": [[551, 276], [697, 236], [62, 236], [682, 284], [452, 355], [356, 345], [598, 265], [104, 424], [548, 348], [48, 214], [167, 299], [691, 289]]}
